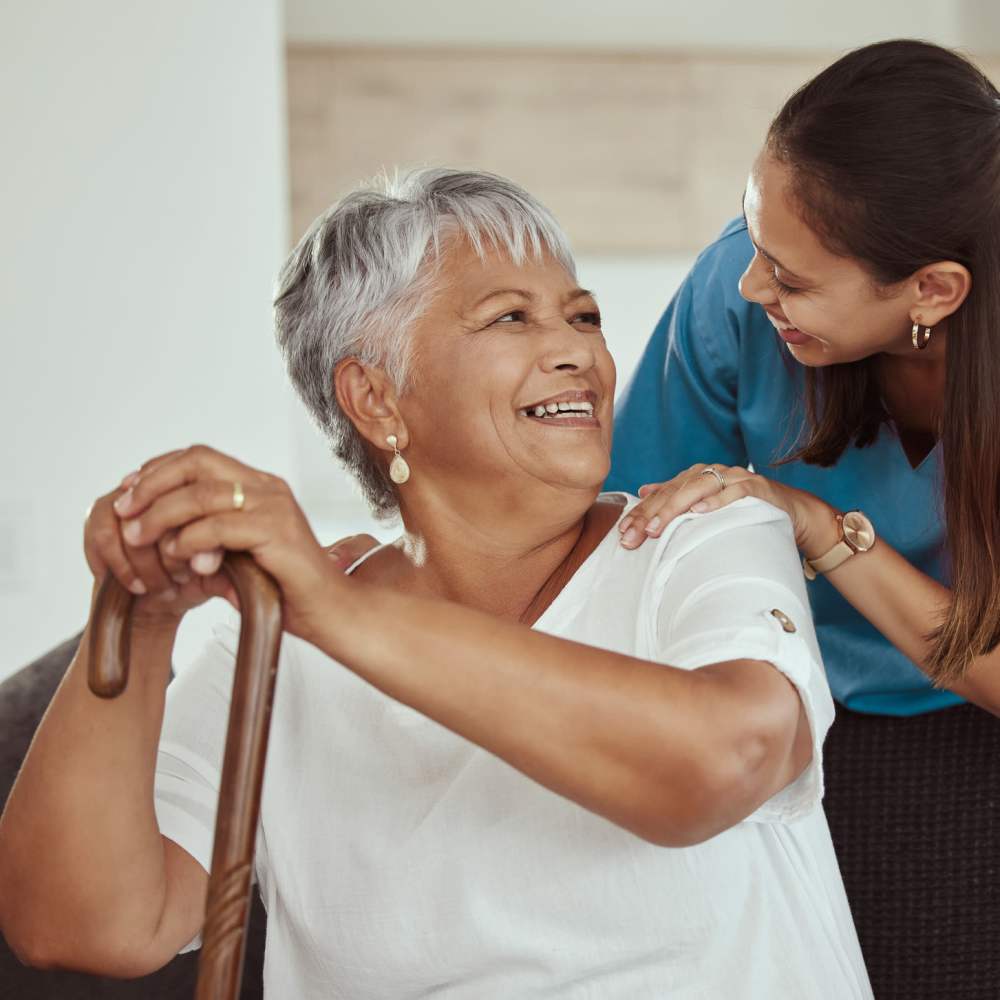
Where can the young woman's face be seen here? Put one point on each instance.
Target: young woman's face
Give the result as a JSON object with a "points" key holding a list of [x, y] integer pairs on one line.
{"points": [[826, 308]]}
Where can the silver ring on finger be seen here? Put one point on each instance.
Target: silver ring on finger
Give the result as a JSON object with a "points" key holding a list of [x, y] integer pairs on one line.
{"points": [[711, 470]]}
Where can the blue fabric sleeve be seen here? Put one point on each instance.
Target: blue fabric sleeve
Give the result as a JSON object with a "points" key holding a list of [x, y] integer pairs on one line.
{"points": [[680, 406]]}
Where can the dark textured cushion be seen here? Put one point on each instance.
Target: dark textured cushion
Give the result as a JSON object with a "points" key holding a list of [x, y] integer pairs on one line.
{"points": [[23, 700]]}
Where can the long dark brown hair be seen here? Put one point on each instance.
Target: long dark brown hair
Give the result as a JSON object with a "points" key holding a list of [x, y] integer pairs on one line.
{"points": [[894, 152]]}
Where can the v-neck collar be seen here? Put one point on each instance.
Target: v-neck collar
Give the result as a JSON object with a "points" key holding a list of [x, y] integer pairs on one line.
{"points": [[928, 465]]}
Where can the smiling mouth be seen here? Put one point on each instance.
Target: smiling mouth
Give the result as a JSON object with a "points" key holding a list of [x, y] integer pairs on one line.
{"points": [[787, 332], [558, 411], [577, 407]]}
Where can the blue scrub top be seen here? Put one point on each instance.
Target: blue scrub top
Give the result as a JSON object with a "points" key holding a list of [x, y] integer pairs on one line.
{"points": [[716, 384]]}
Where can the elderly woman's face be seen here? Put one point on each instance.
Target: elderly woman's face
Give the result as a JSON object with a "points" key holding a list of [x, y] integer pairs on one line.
{"points": [[512, 379]]}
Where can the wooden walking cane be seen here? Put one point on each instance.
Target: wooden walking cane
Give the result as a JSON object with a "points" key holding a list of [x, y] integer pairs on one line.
{"points": [[227, 908]]}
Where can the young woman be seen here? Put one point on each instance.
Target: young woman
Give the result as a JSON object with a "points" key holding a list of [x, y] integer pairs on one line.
{"points": [[843, 338]]}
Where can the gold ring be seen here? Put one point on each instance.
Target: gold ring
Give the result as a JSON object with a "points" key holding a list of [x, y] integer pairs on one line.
{"points": [[239, 497], [712, 471]]}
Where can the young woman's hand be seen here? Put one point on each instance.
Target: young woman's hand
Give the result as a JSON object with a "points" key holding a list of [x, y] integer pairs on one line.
{"points": [[195, 504], [349, 550], [701, 490]]}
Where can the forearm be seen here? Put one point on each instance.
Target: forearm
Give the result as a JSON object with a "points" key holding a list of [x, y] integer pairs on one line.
{"points": [[81, 858], [904, 604], [655, 749]]}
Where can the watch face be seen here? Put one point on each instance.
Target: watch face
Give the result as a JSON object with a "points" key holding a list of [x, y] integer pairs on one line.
{"points": [[858, 531]]}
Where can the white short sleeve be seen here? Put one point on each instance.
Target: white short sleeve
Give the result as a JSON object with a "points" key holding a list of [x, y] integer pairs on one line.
{"points": [[728, 573], [191, 748]]}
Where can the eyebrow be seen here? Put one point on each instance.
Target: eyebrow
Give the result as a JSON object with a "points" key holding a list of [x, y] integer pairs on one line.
{"points": [[768, 257], [576, 293]]}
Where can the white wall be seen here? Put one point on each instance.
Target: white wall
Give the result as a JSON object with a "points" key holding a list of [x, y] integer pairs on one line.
{"points": [[144, 207]]}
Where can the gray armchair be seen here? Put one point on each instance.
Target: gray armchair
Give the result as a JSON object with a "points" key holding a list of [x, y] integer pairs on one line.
{"points": [[23, 700]]}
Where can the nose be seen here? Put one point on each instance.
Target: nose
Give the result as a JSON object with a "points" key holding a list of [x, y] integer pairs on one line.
{"points": [[754, 285], [569, 349]]}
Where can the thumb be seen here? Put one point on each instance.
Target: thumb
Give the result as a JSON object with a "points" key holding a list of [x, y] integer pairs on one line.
{"points": [[349, 550]]}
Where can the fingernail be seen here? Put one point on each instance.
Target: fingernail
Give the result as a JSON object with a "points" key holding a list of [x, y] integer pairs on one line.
{"points": [[625, 524], [170, 547], [169, 594], [123, 503], [205, 563], [653, 526], [132, 532], [181, 577], [137, 587], [631, 537], [700, 507], [130, 479]]}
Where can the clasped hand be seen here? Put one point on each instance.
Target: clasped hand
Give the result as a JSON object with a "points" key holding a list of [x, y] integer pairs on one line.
{"points": [[164, 530]]}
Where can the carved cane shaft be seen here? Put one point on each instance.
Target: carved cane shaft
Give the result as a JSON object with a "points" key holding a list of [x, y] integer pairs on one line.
{"points": [[228, 905]]}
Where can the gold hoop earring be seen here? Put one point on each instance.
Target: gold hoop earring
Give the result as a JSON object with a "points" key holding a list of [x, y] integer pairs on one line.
{"points": [[399, 469], [920, 341]]}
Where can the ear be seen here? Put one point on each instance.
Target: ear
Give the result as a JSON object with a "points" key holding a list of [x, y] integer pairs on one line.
{"points": [[940, 289], [368, 398]]}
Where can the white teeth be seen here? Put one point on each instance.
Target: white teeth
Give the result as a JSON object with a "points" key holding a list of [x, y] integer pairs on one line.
{"points": [[584, 408]]}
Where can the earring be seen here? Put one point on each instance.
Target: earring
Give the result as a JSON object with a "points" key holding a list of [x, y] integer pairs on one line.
{"points": [[399, 470], [920, 341]]}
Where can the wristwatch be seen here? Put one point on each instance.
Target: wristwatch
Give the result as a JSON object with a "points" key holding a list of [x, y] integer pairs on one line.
{"points": [[857, 534]]}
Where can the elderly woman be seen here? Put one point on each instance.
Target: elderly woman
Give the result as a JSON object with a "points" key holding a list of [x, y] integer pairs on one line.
{"points": [[508, 758]]}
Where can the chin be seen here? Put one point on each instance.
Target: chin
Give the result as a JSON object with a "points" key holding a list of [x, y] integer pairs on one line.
{"points": [[816, 355], [590, 479]]}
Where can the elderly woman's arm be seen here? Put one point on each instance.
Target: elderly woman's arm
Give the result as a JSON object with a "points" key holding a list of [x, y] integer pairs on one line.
{"points": [[86, 880], [676, 756]]}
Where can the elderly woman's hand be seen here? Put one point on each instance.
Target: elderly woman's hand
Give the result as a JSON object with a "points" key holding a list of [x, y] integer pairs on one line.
{"points": [[703, 488], [165, 589], [196, 503]]}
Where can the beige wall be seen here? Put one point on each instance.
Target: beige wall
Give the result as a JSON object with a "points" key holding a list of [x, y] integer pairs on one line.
{"points": [[635, 153]]}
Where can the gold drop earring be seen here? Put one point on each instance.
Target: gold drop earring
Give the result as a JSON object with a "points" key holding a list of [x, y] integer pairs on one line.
{"points": [[920, 340], [399, 469]]}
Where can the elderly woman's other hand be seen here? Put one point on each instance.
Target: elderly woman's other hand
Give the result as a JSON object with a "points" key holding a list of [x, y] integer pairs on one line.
{"points": [[197, 503], [703, 488]]}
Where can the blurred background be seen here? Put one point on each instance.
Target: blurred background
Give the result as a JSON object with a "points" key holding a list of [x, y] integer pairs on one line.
{"points": [[160, 160]]}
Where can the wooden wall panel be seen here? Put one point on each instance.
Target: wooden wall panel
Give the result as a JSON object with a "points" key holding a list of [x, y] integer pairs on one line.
{"points": [[635, 153]]}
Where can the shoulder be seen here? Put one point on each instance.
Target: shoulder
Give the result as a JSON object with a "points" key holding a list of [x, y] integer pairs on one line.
{"points": [[748, 512], [749, 538]]}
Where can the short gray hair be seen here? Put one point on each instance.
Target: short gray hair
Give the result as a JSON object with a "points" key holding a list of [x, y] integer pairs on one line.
{"points": [[365, 272]]}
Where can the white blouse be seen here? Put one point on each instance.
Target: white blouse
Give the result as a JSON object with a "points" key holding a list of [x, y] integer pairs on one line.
{"points": [[398, 860]]}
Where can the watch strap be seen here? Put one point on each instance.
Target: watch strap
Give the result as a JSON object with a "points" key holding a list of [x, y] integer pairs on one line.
{"points": [[840, 553]]}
